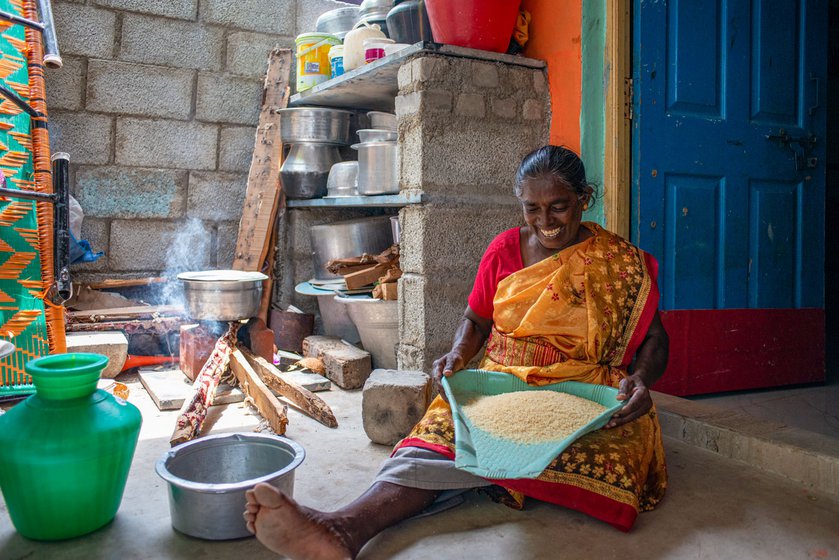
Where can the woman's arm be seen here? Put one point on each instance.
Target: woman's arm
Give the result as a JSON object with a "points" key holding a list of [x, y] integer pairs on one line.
{"points": [[650, 363], [472, 332]]}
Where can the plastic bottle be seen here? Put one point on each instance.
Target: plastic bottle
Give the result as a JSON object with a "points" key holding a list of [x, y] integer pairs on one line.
{"points": [[65, 452], [354, 45]]}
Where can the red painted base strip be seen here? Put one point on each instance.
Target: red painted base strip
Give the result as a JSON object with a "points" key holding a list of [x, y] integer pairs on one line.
{"points": [[717, 350]]}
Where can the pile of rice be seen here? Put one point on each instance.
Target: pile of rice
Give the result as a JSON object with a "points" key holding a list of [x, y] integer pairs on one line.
{"points": [[531, 417]]}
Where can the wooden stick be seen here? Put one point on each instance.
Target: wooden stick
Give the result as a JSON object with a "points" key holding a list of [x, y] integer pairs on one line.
{"points": [[194, 410], [275, 412], [300, 397], [134, 311], [268, 285], [125, 283], [132, 326]]}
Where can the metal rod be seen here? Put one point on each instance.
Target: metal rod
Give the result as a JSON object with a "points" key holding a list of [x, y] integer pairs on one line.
{"points": [[22, 21], [14, 98], [61, 227], [28, 195], [52, 58]]}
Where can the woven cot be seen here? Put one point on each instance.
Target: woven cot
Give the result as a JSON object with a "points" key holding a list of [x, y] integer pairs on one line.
{"points": [[34, 325]]}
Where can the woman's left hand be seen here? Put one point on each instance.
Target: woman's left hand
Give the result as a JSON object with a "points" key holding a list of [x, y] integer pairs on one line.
{"points": [[634, 391]]}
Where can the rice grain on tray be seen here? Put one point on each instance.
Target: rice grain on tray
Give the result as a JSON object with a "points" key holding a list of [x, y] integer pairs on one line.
{"points": [[530, 417]]}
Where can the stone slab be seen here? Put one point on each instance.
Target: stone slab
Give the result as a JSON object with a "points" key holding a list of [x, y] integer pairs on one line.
{"points": [[311, 381], [112, 344], [347, 366], [169, 388]]}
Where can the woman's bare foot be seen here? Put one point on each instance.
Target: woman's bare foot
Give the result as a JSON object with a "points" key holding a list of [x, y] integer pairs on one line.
{"points": [[287, 528]]}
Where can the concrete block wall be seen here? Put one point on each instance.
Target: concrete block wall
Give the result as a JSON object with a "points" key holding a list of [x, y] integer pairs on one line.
{"points": [[464, 127], [157, 105]]}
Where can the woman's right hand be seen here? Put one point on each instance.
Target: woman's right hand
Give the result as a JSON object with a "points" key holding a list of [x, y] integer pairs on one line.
{"points": [[445, 366]]}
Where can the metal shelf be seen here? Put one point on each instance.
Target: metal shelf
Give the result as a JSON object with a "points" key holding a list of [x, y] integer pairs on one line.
{"points": [[374, 86], [378, 201]]}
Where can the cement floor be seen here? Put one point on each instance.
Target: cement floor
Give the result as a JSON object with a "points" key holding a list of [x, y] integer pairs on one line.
{"points": [[715, 508]]}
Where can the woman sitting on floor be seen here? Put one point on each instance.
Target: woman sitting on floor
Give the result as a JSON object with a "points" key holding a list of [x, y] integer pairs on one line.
{"points": [[555, 300]]}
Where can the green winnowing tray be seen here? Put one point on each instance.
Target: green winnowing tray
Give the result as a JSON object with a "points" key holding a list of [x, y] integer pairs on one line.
{"points": [[488, 456]]}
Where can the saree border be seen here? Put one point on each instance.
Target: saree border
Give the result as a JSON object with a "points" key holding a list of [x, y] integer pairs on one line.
{"points": [[643, 313]]}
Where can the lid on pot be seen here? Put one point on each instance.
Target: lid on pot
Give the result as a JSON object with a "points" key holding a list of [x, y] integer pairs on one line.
{"points": [[222, 276], [376, 144]]}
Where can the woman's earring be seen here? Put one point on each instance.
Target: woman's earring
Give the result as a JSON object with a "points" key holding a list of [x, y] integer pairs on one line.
{"points": [[585, 206]]}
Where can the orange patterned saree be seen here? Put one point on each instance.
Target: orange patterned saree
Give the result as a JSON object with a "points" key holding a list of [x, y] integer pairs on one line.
{"points": [[579, 315]]}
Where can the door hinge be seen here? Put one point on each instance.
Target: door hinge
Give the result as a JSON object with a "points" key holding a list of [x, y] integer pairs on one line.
{"points": [[627, 98]]}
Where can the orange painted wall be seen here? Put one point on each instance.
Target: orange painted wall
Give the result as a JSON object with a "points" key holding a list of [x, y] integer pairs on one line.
{"points": [[555, 36]]}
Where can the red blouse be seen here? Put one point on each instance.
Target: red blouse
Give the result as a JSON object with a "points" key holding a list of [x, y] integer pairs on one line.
{"points": [[501, 259]]}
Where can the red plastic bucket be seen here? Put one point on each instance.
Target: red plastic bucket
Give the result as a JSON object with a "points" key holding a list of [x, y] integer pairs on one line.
{"points": [[477, 24]]}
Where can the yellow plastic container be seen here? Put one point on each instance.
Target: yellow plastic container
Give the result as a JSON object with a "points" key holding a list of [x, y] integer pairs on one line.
{"points": [[313, 65]]}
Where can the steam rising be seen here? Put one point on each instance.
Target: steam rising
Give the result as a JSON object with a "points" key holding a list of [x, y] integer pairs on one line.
{"points": [[189, 251]]}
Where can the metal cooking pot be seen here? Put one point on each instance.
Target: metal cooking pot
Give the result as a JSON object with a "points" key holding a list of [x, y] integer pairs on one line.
{"points": [[350, 238], [378, 168], [309, 124], [337, 22], [208, 478], [306, 169], [222, 295]]}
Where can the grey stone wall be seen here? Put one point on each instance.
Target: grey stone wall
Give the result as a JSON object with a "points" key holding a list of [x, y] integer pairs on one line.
{"points": [[464, 127], [157, 105]]}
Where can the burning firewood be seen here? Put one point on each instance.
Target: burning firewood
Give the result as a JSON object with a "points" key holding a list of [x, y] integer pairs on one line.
{"points": [[194, 410]]}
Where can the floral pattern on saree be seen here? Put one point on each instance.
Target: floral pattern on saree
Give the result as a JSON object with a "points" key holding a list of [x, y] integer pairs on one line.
{"points": [[598, 295]]}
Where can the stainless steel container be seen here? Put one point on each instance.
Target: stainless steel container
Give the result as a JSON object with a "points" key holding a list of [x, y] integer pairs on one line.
{"points": [[343, 179], [350, 238], [333, 314], [374, 12], [377, 322], [378, 168], [337, 22], [208, 478], [377, 135], [222, 295], [381, 120], [312, 124], [305, 170]]}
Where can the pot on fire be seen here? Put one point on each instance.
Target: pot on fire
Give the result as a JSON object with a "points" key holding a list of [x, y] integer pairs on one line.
{"points": [[222, 295]]}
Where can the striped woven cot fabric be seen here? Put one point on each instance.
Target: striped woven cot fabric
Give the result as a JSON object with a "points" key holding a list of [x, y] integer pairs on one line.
{"points": [[26, 247]]}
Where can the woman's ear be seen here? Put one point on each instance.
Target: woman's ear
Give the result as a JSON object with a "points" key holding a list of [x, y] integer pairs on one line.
{"points": [[585, 198]]}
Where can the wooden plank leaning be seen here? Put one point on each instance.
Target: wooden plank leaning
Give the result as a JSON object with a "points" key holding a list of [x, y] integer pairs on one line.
{"points": [[274, 412], [300, 397], [262, 197]]}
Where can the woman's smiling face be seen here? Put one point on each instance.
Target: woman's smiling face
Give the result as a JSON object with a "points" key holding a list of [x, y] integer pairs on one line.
{"points": [[553, 211]]}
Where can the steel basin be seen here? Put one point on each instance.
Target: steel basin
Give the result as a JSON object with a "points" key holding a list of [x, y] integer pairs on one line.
{"points": [[377, 322], [343, 179], [350, 238], [308, 124], [208, 478], [222, 295]]}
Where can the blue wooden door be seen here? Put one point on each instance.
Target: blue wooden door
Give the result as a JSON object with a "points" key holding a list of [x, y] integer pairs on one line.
{"points": [[728, 150]]}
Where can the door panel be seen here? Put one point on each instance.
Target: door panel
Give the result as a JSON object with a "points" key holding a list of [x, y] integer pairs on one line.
{"points": [[775, 218], [693, 214], [722, 91]]}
